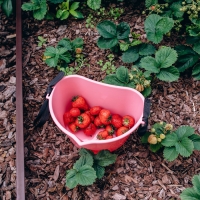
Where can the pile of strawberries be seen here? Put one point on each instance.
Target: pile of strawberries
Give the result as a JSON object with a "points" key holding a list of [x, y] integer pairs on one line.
{"points": [[81, 116]]}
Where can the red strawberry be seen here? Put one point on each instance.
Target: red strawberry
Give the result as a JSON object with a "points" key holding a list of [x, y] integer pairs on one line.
{"points": [[83, 120], [102, 135], [68, 118], [109, 137], [105, 116], [98, 122], [91, 116], [75, 112], [121, 130], [128, 121], [73, 127], [116, 120], [110, 129], [79, 102], [95, 110], [90, 129]]}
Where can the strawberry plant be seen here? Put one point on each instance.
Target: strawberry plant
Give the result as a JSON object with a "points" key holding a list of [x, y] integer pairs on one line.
{"points": [[64, 10], [193, 192], [111, 34], [94, 4], [182, 141], [38, 7], [133, 79], [161, 65], [89, 167], [156, 27], [63, 53]]}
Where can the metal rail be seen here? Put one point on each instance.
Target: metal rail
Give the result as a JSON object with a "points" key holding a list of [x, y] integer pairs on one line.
{"points": [[19, 108]]}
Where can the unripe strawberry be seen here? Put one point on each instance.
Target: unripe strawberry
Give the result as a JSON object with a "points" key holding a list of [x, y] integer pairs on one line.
{"points": [[168, 127], [153, 130], [162, 136], [159, 139], [152, 139]]}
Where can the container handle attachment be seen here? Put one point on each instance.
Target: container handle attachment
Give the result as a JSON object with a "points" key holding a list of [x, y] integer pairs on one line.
{"points": [[146, 112], [44, 113]]}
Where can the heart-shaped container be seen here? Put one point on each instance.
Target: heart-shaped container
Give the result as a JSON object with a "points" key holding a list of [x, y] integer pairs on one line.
{"points": [[119, 100]]}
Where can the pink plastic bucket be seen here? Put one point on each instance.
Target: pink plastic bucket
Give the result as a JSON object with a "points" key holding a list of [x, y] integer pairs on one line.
{"points": [[119, 100]]}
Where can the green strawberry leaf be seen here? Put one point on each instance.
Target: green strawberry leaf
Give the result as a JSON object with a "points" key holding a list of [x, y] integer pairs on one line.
{"points": [[105, 158], [187, 57], [149, 3], [85, 159], [189, 194], [122, 74], [184, 131], [94, 4], [64, 15], [196, 141], [196, 47], [71, 180], [77, 43], [164, 25], [146, 49], [165, 57], [107, 29], [131, 55], [65, 43], [123, 31], [155, 147], [7, 7], [107, 43], [76, 14], [86, 175], [185, 147], [168, 74], [196, 183], [144, 138], [74, 5], [175, 8], [170, 140], [147, 91], [113, 80], [100, 171], [52, 62], [170, 153], [149, 63]]}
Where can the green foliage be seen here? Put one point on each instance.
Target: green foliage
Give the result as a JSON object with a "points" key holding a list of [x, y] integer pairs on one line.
{"points": [[193, 192], [133, 79], [188, 58], [111, 33], [56, 1], [149, 3], [63, 54], [39, 8], [156, 26], [7, 7], [64, 10], [108, 66], [89, 167], [181, 142], [133, 53], [41, 41], [94, 4], [161, 65]]}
